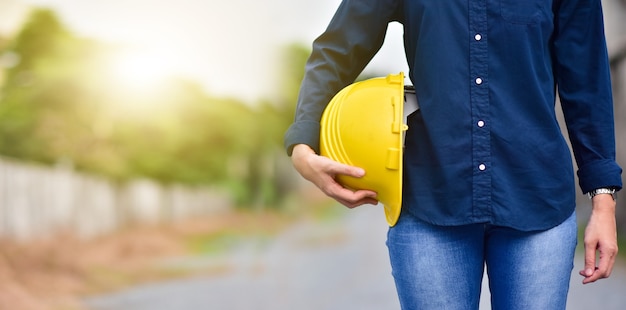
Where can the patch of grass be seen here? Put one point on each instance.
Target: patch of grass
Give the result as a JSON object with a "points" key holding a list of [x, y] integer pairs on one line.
{"points": [[222, 241], [111, 278], [242, 227], [621, 243], [328, 211], [212, 243]]}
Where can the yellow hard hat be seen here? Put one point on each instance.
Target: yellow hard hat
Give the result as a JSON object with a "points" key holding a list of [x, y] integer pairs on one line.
{"points": [[363, 126]]}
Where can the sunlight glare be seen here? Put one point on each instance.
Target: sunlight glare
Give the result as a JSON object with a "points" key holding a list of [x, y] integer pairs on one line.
{"points": [[140, 71]]}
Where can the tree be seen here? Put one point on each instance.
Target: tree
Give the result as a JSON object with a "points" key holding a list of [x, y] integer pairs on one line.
{"points": [[39, 42], [57, 104]]}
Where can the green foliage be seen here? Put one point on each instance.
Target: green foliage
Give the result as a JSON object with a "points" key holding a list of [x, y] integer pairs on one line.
{"points": [[295, 57], [57, 103], [41, 38]]}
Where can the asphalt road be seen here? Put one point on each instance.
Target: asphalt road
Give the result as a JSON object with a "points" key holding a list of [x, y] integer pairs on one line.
{"points": [[335, 265]]}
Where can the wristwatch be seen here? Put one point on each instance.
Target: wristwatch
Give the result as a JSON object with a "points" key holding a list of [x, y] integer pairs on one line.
{"points": [[603, 190]]}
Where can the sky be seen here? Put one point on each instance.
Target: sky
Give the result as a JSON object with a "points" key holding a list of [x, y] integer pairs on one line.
{"points": [[230, 47]]}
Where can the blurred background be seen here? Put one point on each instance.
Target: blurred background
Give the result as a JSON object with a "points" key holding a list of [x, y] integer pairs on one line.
{"points": [[141, 144]]}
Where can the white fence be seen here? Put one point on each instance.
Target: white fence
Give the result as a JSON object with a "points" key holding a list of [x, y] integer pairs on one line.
{"points": [[37, 201]]}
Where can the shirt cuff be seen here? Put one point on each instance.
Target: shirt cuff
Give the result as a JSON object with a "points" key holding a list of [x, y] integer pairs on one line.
{"points": [[602, 173], [303, 132]]}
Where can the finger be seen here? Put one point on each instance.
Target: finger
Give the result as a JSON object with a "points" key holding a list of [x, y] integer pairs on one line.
{"points": [[603, 270], [590, 260], [605, 264], [350, 198], [364, 201], [595, 276]]}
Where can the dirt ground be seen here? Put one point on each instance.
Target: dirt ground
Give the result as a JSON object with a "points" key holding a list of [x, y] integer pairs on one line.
{"points": [[53, 274]]}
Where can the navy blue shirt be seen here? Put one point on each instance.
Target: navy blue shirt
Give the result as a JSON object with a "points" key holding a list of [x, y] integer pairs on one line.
{"points": [[485, 146]]}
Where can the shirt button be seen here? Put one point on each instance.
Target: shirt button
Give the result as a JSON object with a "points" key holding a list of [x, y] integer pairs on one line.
{"points": [[479, 81], [481, 124], [477, 37], [482, 167]]}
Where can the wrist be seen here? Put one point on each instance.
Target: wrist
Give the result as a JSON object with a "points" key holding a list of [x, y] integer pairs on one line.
{"points": [[603, 204], [299, 156], [603, 191], [301, 150]]}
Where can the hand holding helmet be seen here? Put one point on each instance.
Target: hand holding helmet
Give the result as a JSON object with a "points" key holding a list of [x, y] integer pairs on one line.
{"points": [[322, 172]]}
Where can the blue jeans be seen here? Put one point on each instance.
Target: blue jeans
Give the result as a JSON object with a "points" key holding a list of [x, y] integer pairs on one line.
{"points": [[440, 267]]}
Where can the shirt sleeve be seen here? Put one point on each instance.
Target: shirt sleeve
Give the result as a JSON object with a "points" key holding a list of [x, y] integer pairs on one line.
{"points": [[352, 38], [582, 74]]}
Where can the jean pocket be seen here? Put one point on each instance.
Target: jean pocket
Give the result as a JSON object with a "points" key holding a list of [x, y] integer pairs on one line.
{"points": [[521, 11]]}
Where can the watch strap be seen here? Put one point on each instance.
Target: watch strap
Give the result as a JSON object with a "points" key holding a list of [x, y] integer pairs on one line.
{"points": [[603, 190]]}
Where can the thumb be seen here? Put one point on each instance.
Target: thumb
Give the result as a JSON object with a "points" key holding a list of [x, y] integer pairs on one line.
{"points": [[339, 168]]}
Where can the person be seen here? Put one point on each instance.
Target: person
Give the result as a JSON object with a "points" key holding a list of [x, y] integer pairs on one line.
{"points": [[488, 176]]}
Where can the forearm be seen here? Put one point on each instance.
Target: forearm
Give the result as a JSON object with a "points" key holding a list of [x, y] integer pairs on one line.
{"points": [[579, 53]]}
